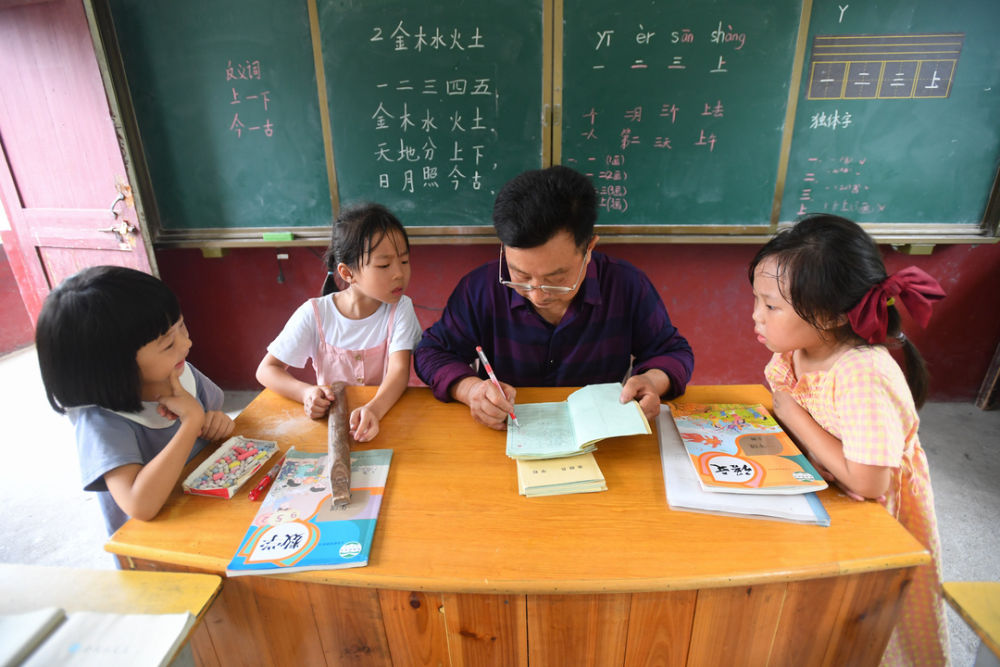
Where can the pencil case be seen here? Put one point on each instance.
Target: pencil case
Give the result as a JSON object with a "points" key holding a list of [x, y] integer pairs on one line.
{"points": [[235, 461]]}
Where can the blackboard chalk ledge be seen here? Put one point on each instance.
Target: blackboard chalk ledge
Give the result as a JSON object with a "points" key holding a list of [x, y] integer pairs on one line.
{"points": [[919, 237]]}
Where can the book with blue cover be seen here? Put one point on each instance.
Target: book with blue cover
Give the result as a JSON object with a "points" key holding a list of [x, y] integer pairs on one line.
{"points": [[297, 528]]}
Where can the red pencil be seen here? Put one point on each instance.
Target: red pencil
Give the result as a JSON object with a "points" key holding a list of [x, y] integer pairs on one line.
{"points": [[493, 378]]}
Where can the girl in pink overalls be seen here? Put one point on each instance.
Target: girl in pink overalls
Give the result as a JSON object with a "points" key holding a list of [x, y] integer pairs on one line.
{"points": [[363, 334]]}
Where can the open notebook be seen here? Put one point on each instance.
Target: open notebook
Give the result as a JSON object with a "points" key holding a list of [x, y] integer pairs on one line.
{"points": [[571, 427]]}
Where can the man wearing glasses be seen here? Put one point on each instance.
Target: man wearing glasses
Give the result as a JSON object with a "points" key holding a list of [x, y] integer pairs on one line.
{"points": [[551, 311]]}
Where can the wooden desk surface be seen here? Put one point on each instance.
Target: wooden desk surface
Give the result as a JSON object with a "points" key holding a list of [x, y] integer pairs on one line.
{"points": [[29, 587], [453, 521]]}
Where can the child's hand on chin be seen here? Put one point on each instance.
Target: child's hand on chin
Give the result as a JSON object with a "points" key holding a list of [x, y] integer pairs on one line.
{"points": [[179, 404]]}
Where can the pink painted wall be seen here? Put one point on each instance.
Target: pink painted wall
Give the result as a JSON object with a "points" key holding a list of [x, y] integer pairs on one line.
{"points": [[16, 330], [235, 305]]}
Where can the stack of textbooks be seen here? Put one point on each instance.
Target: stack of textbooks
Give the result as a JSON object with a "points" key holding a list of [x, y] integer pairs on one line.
{"points": [[554, 444], [734, 459]]}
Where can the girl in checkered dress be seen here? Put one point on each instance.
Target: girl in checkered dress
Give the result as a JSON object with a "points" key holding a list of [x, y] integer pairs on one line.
{"points": [[825, 307]]}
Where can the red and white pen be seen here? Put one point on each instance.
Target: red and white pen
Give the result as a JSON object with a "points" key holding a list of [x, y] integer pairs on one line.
{"points": [[496, 382], [268, 478]]}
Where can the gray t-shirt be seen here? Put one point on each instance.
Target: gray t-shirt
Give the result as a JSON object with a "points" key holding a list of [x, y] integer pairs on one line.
{"points": [[106, 440]]}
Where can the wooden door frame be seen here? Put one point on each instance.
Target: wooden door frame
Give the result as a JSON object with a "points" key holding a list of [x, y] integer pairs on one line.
{"points": [[119, 97]]}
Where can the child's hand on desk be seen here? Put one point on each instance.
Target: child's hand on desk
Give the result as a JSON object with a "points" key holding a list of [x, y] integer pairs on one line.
{"points": [[217, 426], [317, 401], [828, 476], [363, 423]]}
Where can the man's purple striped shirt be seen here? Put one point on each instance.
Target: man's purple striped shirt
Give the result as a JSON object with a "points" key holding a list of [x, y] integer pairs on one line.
{"points": [[616, 316]]}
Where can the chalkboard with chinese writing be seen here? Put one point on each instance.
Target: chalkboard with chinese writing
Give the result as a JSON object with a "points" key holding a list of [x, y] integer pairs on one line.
{"points": [[677, 108], [226, 106], [711, 119], [434, 106], [898, 117]]}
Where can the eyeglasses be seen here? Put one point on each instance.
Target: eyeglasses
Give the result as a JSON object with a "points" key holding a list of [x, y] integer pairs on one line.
{"points": [[548, 289]]}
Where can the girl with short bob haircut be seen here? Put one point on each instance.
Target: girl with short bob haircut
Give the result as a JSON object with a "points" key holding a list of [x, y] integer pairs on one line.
{"points": [[112, 345], [361, 335], [825, 306]]}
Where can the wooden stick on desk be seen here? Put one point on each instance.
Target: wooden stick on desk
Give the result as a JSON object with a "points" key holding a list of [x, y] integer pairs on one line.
{"points": [[338, 447]]}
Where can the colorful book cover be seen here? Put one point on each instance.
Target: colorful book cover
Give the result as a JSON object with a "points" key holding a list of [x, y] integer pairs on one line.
{"points": [[684, 491], [298, 529], [739, 448]]}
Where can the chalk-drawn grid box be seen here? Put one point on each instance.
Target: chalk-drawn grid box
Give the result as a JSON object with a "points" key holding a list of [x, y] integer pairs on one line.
{"points": [[862, 80], [934, 78], [898, 79], [883, 66], [826, 80]]}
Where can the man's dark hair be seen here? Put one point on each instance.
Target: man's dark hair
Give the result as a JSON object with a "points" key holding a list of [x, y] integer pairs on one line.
{"points": [[536, 205]]}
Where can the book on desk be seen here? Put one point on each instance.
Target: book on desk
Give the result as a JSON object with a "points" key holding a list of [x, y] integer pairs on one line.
{"points": [[685, 493], [297, 528], [574, 426], [740, 448], [557, 477]]}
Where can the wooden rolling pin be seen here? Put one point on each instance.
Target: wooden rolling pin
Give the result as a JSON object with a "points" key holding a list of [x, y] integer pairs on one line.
{"points": [[339, 448]]}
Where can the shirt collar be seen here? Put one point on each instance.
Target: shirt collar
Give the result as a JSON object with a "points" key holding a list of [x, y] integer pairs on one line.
{"points": [[149, 416]]}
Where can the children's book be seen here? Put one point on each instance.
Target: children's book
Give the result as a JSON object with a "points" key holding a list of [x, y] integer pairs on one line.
{"points": [[684, 490], [297, 527], [571, 427], [556, 477], [737, 448]]}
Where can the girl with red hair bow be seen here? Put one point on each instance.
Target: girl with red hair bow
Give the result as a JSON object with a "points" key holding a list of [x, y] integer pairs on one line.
{"points": [[825, 307]]}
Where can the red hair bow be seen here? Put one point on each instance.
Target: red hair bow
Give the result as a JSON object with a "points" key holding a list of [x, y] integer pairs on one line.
{"points": [[914, 287]]}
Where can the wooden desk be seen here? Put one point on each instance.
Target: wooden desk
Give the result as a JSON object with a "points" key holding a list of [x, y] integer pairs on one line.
{"points": [[464, 571], [28, 587]]}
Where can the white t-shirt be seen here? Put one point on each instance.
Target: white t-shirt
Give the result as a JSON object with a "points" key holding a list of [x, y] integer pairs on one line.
{"points": [[297, 342]]}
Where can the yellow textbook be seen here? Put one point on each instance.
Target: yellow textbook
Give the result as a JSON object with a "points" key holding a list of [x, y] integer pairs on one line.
{"points": [[557, 477], [571, 427]]}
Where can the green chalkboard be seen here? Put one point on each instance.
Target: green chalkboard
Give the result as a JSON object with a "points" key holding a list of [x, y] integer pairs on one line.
{"points": [[225, 100], [677, 108], [713, 118], [433, 105], [898, 117]]}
